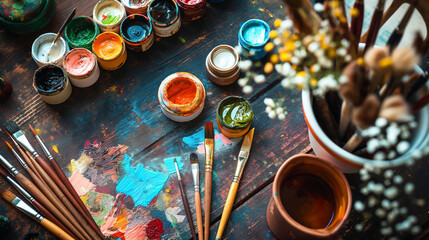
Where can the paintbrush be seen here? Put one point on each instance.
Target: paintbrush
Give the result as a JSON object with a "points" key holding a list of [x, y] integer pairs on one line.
{"points": [[60, 213], [419, 104], [209, 150], [416, 85], [185, 202], [357, 22], [196, 178], [22, 206], [305, 19], [397, 34], [375, 25], [36, 204], [380, 64], [53, 181], [77, 202], [69, 18], [241, 163]]}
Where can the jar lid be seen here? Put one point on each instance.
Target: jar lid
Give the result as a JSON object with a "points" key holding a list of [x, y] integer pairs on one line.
{"points": [[21, 10]]}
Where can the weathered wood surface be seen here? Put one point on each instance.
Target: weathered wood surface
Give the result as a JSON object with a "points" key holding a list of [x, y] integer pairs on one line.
{"points": [[122, 108]]}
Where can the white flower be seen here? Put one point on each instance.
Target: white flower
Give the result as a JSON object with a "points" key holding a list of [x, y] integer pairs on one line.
{"points": [[409, 188], [238, 49], [345, 43], [347, 58], [268, 109], [342, 79], [279, 110], [277, 41], [359, 206], [259, 79], [381, 213], [252, 52], [391, 192], [318, 7], [282, 116], [286, 83], [286, 23], [269, 102], [388, 173], [272, 114], [247, 89], [341, 52], [381, 122], [402, 147], [415, 230], [398, 179], [294, 60], [386, 231], [245, 65], [242, 82]]}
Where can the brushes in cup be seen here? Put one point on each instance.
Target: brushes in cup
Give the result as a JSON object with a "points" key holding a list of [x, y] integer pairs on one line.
{"points": [[195, 175], [374, 27], [22, 206], [209, 150], [185, 202]]}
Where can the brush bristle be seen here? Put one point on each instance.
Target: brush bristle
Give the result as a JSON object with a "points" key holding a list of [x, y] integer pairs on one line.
{"points": [[365, 115], [11, 127], [8, 195], [32, 130], [374, 55], [194, 158], [8, 144], [404, 59], [208, 130]]}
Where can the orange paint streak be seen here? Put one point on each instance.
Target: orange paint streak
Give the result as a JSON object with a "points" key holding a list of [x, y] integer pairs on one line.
{"points": [[181, 91], [121, 222]]}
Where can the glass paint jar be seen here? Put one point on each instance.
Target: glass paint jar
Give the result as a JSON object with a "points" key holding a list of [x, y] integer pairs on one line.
{"points": [[108, 14], [191, 10], [81, 32], [135, 6], [110, 50], [222, 65], [181, 96], [252, 37], [234, 116], [52, 84], [82, 67], [165, 17], [136, 29], [41, 46]]}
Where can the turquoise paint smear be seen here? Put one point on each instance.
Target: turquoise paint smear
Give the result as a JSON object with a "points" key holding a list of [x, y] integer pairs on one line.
{"points": [[196, 139], [141, 184]]}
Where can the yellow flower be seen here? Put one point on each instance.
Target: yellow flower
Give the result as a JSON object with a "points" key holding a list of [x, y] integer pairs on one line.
{"points": [[332, 52], [360, 61], [385, 62], [301, 74], [299, 86], [286, 34], [289, 46], [268, 68], [354, 12], [274, 58], [334, 4], [277, 23], [294, 37], [313, 82], [338, 13], [273, 34], [285, 56], [269, 47]]}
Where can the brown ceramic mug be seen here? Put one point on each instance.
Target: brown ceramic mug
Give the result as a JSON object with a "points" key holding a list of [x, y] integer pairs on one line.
{"points": [[280, 221]]}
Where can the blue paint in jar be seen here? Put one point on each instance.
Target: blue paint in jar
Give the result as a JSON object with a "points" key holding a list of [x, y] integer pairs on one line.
{"points": [[252, 37], [137, 32]]}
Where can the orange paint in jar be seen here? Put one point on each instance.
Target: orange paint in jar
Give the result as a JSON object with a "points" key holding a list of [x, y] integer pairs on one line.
{"points": [[110, 50], [181, 91]]}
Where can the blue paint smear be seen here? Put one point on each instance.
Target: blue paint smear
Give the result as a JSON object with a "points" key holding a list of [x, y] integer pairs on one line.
{"points": [[255, 33], [196, 139], [141, 184]]}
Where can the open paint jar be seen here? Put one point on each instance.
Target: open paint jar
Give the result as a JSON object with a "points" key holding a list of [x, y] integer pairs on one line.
{"points": [[136, 6], [234, 116], [81, 32], [311, 199], [181, 96], [136, 30], [165, 17], [52, 84], [108, 14], [82, 67], [110, 50], [41, 46], [222, 65], [252, 37], [191, 10]]}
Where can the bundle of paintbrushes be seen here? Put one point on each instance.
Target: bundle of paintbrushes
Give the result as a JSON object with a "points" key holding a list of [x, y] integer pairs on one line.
{"points": [[59, 208]]}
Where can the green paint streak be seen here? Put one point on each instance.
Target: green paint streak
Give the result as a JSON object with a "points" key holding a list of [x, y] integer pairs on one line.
{"points": [[174, 223], [110, 19], [182, 39], [236, 113]]}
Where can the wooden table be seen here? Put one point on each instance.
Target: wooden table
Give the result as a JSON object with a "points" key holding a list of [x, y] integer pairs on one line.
{"points": [[122, 109]]}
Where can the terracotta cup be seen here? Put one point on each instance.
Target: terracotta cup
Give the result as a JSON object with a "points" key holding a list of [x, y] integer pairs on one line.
{"points": [[282, 224]]}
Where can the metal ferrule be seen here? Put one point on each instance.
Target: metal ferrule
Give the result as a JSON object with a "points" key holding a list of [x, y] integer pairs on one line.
{"points": [[44, 148], [209, 149], [21, 189], [196, 176], [22, 139], [21, 205], [12, 170], [22, 162], [241, 162]]}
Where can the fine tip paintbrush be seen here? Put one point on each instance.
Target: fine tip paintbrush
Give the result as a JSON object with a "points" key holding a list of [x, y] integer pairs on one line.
{"points": [[185, 202], [357, 21], [72, 194], [36, 204], [397, 34], [195, 175], [22, 206], [374, 27], [69, 18], [241, 163], [209, 151]]}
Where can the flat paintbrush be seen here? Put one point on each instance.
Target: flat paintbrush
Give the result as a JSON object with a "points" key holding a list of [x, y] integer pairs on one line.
{"points": [[374, 27], [209, 151], [241, 163], [77, 202], [196, 177], [22, 206], [36, 204], [185, 202]]}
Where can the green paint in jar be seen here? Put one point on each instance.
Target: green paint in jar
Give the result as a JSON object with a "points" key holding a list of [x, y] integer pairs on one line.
{"points": [[81, 32], [236, 113]]}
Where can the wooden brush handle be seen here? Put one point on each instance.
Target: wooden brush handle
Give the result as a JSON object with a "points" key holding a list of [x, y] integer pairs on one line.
{"points": [[51, 217], [36, 193], [55, 230], [26, 155], [207, 203], [199, 215], [67, 208], [227, 209], [187, 210], [75, 199], [374, 27]]}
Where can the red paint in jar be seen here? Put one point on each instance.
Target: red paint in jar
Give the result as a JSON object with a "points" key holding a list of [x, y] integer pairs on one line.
{"points": [[191, 10], [181, 91]]}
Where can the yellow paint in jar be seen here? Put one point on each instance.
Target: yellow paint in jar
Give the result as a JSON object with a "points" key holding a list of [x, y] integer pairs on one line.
{"points": [[110, 50]]}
